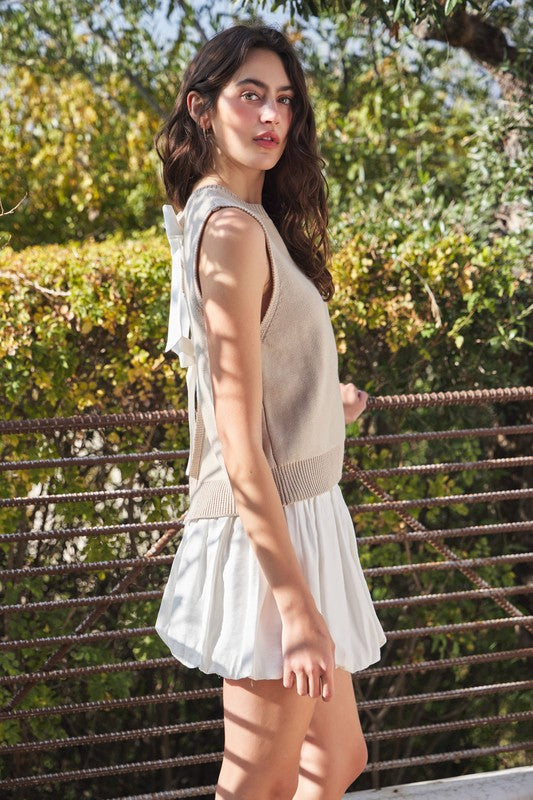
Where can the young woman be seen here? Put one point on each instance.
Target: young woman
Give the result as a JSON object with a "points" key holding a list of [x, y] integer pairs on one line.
{"points": [[266, 589]]}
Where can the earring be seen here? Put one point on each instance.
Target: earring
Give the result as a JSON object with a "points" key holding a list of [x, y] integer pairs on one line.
{"points": [[205, 134]]}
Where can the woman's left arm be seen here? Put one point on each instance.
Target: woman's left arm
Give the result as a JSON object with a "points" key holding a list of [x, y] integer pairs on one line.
{"points": [[353, 401]]}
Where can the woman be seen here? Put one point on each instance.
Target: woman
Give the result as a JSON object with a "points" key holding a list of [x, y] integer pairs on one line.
{"points": [[266, 588]]}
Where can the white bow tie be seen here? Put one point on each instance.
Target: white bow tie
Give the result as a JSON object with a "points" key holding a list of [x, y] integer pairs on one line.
{"points": [[179, 323]]}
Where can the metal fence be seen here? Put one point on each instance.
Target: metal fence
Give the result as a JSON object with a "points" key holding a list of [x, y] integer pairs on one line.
{"points": [[93, 705]]}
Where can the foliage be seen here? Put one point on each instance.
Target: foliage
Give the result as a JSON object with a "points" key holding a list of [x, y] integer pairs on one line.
{"points": [[86, 86], [73, 304], [433, 294], [404, 11], [82, 331], [87, 167], [417, 301], [82, 327]]}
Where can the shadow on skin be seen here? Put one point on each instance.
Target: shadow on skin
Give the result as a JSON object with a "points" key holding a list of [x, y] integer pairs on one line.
{"points": [[268, 760]]}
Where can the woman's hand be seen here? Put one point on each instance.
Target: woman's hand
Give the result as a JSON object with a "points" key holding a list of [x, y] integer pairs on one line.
{"points": [[308, 654], [353, 400]]}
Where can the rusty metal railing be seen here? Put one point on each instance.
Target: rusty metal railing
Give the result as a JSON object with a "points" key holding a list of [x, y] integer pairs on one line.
{"points": [[93, 705]]}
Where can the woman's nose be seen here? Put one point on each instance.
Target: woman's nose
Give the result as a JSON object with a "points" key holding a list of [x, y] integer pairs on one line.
{"points": [[270, 111]]}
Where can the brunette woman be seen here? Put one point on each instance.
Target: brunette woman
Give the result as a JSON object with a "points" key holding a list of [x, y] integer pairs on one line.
{"points": [[266, 589]]}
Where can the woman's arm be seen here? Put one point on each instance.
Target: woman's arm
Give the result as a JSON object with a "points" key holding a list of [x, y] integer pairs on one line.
{"points": [[233, 269]]}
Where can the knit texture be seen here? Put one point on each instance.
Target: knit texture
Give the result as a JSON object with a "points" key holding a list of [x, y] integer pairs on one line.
{"points": [[303, 428]]}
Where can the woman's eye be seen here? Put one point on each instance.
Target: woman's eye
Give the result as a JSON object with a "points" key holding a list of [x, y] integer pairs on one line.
{"points": [[250, 95]]}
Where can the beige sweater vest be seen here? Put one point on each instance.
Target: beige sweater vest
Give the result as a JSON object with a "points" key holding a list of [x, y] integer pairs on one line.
{"points": [[303, 426]]}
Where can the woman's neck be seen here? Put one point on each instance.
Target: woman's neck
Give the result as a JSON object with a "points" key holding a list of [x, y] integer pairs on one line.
{"points": [[235, 184]]}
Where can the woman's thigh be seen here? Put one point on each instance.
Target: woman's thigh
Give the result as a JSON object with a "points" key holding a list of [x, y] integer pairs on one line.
{"points": [[264, 727], [334, 750]]}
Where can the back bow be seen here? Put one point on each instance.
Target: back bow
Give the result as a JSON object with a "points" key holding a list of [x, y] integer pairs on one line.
{"points": [[179, 324]]}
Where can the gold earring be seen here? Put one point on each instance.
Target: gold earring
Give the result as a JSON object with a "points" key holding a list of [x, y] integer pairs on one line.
{"points": [[205, 134]]}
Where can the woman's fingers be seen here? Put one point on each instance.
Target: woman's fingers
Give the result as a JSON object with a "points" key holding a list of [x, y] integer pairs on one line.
{"points": [[288, 678], [354, 401], [306, 682], [362, 397], [327, 684], [301, 682], [314, 683]]}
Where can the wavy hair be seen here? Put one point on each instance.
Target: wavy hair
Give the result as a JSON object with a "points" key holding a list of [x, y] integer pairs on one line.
{"points": [[295, 190]]}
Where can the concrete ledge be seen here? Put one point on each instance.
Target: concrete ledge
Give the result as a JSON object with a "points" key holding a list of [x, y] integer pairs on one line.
{"points": [[505, 784]]}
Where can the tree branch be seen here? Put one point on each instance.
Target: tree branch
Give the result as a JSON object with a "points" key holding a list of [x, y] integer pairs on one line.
{"points": [[482, 40]]}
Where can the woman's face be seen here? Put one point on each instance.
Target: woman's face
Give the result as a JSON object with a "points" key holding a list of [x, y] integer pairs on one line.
{"points": [[253, 113]]}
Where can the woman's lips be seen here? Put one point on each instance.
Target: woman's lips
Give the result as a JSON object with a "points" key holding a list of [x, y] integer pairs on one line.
{"points": [[268, 143]]}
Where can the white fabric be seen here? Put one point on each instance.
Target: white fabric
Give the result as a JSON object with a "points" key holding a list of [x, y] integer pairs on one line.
{"points": [[218, 612], [179, 322]]}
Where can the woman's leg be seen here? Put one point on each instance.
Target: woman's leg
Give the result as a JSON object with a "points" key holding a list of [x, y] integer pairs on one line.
{"points": [[264, 727], [334, 751]]}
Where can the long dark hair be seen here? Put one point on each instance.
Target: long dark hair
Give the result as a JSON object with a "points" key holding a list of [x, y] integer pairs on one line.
{"points": [[295, 189]]}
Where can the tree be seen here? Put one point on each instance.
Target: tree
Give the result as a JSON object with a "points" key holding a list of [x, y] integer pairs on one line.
{"points": [[480, 34], [87, 84]]}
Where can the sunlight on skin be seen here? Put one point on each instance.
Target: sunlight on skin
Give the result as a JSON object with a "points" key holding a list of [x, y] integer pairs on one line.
{"points": [[258, 98]]}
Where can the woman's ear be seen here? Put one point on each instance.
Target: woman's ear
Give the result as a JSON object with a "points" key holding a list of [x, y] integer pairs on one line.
{"points": [[195, 107]]}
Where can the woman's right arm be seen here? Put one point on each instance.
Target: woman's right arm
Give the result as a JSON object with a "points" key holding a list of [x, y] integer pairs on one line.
{"points": [[233, 269]]}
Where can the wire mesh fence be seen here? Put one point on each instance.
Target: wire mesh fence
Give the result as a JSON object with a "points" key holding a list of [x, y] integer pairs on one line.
{"points": [[94, 707]]}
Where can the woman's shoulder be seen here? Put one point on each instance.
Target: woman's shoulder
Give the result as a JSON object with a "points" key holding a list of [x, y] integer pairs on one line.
{"points": [[231, 232], [222, 214]]}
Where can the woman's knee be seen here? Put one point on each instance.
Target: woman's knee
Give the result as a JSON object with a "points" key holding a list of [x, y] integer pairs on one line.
{"points": [[354, 760], [344, 766], [280, 787]]}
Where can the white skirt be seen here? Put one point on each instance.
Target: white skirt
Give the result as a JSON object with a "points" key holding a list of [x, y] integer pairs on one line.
{"points": [[218, 612]]}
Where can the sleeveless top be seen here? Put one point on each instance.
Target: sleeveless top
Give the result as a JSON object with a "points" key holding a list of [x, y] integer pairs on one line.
{"points": [[303, 427]]}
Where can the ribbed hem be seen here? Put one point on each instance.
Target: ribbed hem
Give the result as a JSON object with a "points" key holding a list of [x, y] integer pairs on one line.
{"points": [[295, 481]]}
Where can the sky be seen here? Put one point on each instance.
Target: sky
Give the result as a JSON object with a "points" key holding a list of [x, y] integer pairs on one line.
{"points": [[224, 9]]}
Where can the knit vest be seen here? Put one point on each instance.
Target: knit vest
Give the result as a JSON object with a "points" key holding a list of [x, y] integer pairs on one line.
{"points": [[303, 428]]}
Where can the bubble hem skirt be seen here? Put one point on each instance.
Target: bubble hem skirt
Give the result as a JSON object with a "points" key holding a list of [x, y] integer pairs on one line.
{"points": [[218, 612]]}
